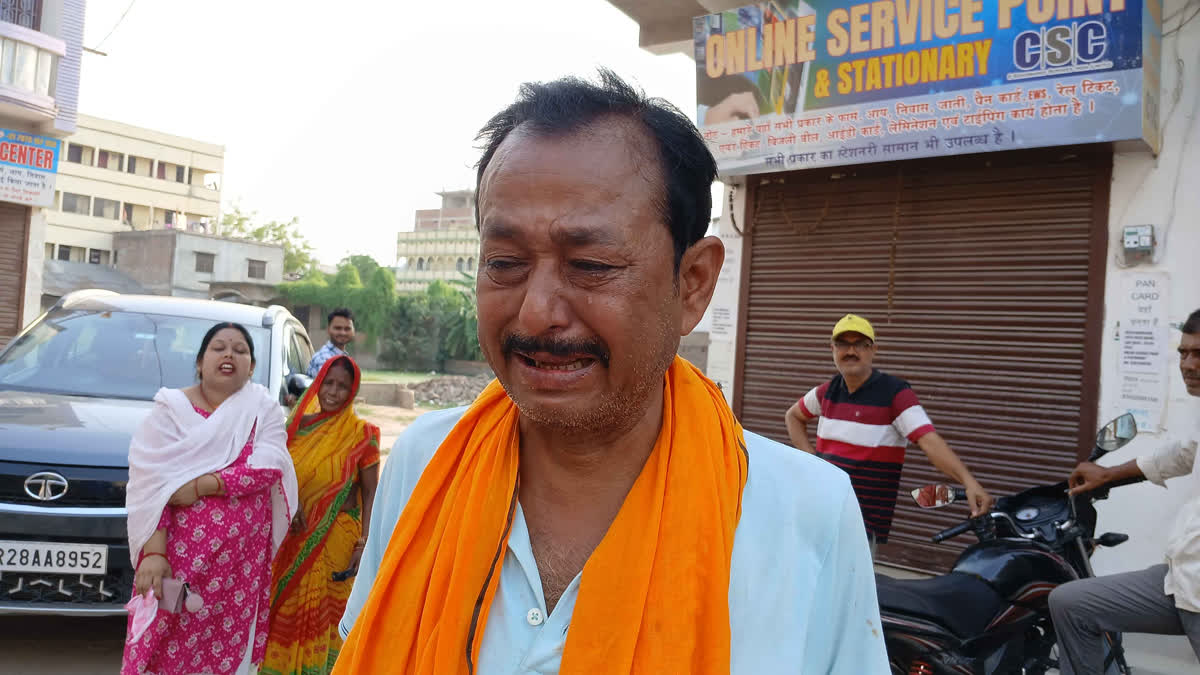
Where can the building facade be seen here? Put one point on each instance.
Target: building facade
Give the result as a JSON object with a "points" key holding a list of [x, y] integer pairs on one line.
{"points": [[116, 178], [40, 54], [443, 245], [1028, 294], [195, 265]]}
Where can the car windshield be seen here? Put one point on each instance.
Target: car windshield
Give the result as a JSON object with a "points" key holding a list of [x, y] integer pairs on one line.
{"points": [[112, 354]]}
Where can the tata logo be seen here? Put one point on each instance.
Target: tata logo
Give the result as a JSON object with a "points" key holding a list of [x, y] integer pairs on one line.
{"points": [[1077, 44], [46, 486]]}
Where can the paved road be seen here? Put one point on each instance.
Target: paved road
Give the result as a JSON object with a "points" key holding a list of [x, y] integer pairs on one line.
{"points": [[61, 646]]}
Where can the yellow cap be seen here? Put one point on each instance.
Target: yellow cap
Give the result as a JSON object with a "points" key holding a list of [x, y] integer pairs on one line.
{"points": [[852, 323]]}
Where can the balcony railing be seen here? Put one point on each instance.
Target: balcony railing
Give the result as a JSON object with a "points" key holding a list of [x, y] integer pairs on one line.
{"points": [[411, 274], [463, 234], [27, 13]]}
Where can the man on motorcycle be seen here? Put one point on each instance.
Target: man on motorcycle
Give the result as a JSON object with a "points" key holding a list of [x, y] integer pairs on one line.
{"points": [[867, 420], [1163, 599]]}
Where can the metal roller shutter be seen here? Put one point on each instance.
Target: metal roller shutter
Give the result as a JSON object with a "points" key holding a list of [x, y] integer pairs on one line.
{"points": [[13, 226], [976, 273]]}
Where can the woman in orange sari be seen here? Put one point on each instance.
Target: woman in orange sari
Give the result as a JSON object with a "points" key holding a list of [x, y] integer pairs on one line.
{"points": [[336, 455]]}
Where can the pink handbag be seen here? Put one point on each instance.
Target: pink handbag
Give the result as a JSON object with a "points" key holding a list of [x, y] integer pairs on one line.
{"points": [[177, 596]]}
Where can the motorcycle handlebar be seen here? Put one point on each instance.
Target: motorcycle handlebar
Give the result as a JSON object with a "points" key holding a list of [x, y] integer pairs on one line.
{"points": [[952, 532]]}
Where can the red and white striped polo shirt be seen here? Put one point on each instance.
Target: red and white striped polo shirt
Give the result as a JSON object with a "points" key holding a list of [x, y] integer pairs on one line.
{"points": [[865, 434]]}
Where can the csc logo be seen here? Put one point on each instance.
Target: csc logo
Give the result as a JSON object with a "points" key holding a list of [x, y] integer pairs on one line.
{"points": [[1078, 43]]}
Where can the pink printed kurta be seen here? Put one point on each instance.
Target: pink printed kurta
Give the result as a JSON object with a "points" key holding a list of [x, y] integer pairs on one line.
{"points": [[220, 546]]}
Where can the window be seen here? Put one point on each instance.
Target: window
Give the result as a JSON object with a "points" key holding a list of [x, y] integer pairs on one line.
{"points": [[169, 218], [306, 349], [27, 13], [162, 170], [459, 265], [105, 208], [420, 264], [127, 215], [179, 174], [257, 269], [204, 262], [292, 360], [134, 356], [79, 154], [73, 203], [303, 314], [131, 167], [110, 160], [97, 256], [470, 264], [64, 253]]}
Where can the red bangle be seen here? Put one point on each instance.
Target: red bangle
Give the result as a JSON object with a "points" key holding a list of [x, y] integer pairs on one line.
{"points": [[147, 555]]}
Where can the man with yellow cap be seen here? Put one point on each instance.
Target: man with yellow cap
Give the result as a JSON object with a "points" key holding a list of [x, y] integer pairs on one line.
{"points": [[867, 419]]}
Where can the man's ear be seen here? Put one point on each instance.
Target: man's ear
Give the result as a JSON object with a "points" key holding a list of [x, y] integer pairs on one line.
{"points": [[698, 271]]}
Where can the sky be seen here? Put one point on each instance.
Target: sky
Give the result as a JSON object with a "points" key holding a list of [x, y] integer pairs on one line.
{"points": [[348, 115]]}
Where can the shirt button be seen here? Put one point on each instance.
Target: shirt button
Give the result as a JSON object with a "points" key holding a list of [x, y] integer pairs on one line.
{"points": [[534, 617]]}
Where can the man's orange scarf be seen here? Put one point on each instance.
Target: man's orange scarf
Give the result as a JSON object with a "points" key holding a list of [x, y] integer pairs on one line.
{"points": [[654, 595]]}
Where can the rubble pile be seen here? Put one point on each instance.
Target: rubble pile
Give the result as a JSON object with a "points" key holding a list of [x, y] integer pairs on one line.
{"points": [[449, 390]]}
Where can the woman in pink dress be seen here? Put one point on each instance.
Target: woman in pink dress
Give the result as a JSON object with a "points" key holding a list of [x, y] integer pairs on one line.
{"points": [[211, 492]]}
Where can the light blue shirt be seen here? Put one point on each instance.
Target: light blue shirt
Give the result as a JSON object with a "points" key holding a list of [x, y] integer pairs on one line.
{"points": [[325, 353], [801, 588]]}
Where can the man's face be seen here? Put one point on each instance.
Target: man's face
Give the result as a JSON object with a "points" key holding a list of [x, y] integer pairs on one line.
{"points": [[341, 331], [853, 354], [1189, 362], [579, 311]]}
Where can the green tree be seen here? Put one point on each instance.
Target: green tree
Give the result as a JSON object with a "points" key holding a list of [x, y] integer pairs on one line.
{"points": [[347, 278], [461, 337], [365, 265], [297, 252], [427, 328], [372, 302]]}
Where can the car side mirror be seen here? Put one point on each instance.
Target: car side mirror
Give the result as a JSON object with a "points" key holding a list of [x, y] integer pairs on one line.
{"points": [[298, 383], [935, 496], [1116, 434]]}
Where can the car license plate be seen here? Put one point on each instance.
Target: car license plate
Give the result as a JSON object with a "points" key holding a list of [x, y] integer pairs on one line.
{"points": [[53, 558]]}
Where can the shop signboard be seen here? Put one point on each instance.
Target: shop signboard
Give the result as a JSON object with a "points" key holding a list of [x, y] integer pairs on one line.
{"points": [[789, 84], [28, 167]]}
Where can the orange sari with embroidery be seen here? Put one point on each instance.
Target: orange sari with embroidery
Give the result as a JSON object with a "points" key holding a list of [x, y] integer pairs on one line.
{"points": [[329, 450]]}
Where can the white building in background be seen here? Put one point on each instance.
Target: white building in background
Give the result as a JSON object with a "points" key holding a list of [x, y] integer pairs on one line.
{"points": [[116, 177], [443, 244], [41, 44], [195, 265]]}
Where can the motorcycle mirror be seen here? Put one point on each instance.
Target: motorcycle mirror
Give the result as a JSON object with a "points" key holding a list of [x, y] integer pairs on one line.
{"points": [[934, 496], [1116, 433], [298, 383]]}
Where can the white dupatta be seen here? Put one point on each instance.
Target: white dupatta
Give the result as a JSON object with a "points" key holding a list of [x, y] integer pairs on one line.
{"points": [[176, 444]]}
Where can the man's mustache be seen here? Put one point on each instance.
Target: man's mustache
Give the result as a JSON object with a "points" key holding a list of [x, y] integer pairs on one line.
{"points": [[561, 347]]}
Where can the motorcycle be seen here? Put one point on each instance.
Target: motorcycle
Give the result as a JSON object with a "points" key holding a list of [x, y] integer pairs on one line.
{"points": [[990, 614]]}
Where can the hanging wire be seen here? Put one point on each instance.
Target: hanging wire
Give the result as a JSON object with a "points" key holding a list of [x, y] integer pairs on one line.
{"points": [[114, 28], [1183, 22]]}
